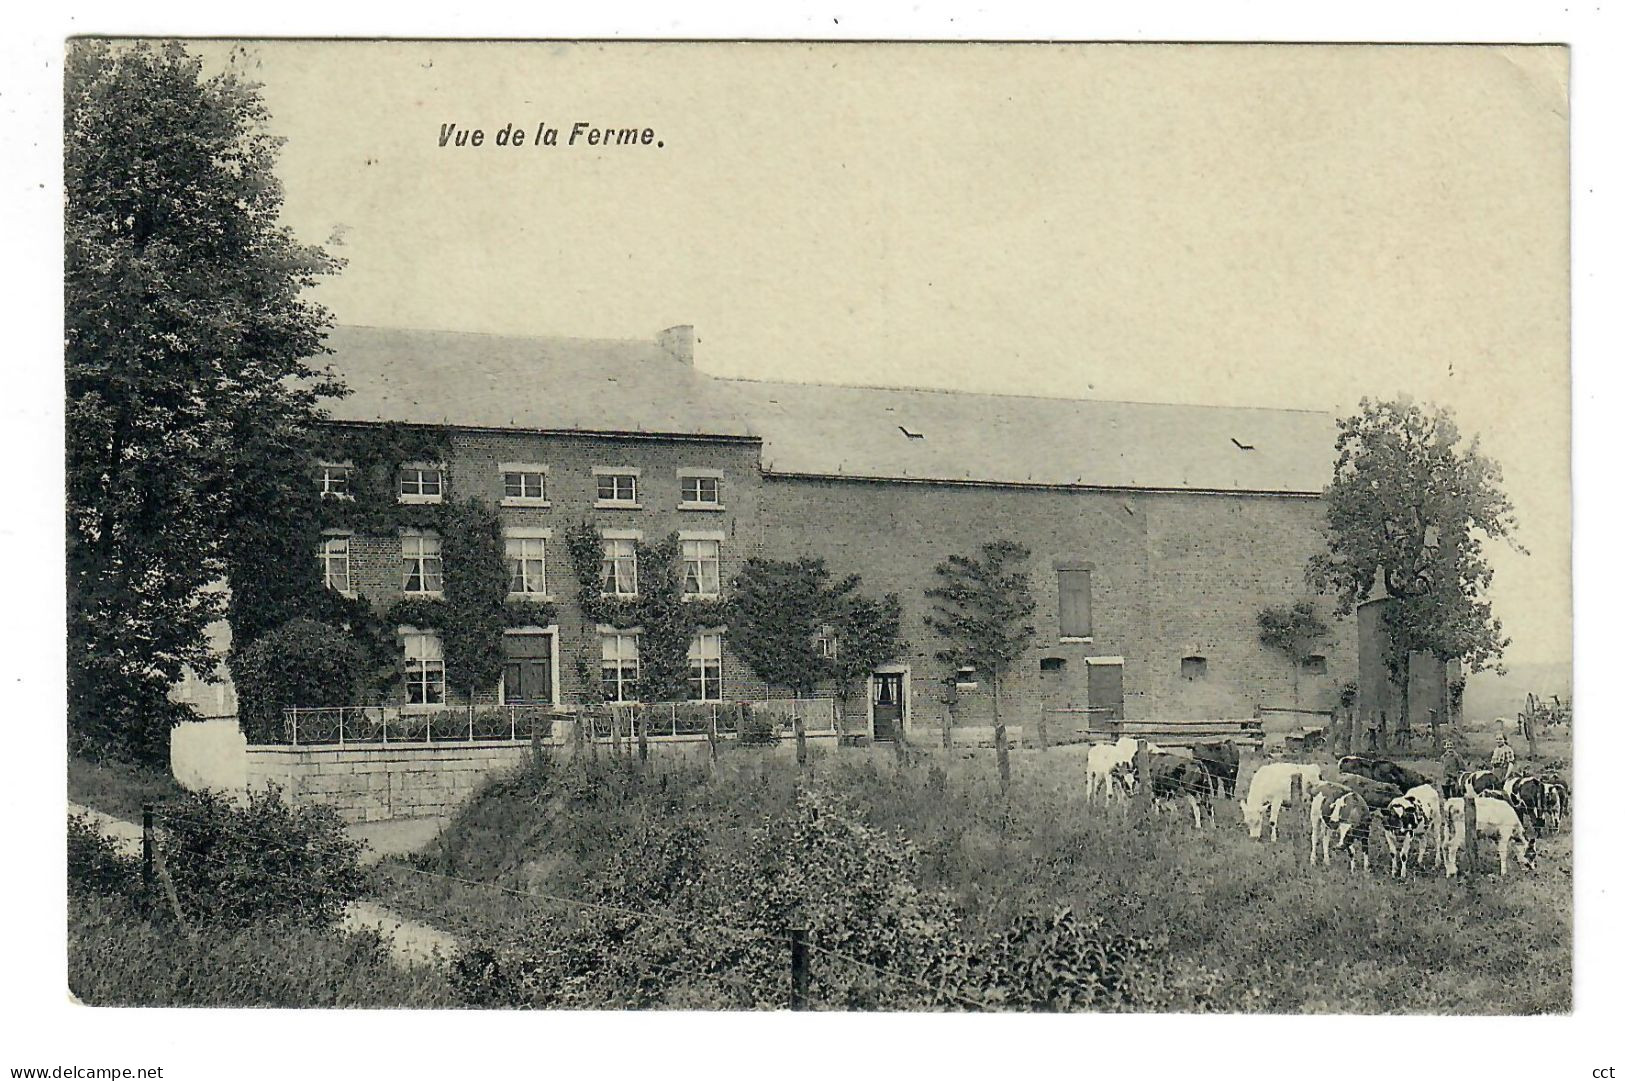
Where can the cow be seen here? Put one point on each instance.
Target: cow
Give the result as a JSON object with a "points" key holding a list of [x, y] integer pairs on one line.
{"points": [[1481, 781], [1380, 769], [1174, 777], [1338, 811], [1223, 762], [1430, 801], [1495, 818], [1526, 794], [1101, 777], [1404, 819], [1375, 793], [1554, 803], [1270, 790]]}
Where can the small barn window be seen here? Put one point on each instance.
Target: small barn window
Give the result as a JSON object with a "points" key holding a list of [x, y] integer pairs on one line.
{"points": [[1315, 664], [1077, 619], [1052, 664], [1193, 667]]}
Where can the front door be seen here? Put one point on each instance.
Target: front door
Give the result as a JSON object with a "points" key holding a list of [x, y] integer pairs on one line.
{"points": [[887, 692], [527, 669]]}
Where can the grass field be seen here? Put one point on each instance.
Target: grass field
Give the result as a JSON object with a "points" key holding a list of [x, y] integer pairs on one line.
{"points": [[1237, 925]]}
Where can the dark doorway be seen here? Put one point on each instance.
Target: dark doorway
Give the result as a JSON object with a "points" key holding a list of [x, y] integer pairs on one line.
{"points": [[527, 669], [1106, 691], [888, 702]]}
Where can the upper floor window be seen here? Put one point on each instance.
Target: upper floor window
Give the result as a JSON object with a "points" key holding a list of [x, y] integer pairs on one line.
{"points": [[618, 573], [425, 668], [701, 489], [524, 484], [1077, 617], [335, 557], [334, 480], [422, 571], [705, 667], [619, 673], [825, 643], [422, 483], [702, 567], [527, 564], [617, 487]]}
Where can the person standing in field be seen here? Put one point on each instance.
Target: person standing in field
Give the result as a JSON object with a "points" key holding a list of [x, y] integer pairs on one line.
{"points": [[1502, 757], [1451, 768]]}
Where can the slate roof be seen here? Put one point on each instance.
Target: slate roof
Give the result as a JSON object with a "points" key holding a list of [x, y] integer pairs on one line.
{"points": [[614, 387], [541, 384], [865, 432]]}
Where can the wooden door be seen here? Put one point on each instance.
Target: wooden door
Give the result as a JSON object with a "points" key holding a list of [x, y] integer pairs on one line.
{"points": [[887, 698], [1106, 692], [527, 670]]}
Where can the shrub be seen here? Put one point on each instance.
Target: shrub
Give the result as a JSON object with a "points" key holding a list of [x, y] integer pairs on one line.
{"points": [[301, 663], [239, 866], [95, 865], [758, 726]]}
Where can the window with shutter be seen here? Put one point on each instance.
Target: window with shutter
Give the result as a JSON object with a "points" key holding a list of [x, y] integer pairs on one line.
{"points": [[1076, 616]]}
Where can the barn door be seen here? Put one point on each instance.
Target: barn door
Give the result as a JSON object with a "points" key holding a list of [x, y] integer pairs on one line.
{"points": [[1106, 688]]}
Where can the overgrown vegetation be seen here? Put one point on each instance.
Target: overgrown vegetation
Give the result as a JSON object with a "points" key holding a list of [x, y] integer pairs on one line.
{"points": [[119, 788], [301, 663]]}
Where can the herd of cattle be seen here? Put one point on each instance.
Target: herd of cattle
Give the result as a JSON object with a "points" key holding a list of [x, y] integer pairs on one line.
{"points": [[1364, 797]]}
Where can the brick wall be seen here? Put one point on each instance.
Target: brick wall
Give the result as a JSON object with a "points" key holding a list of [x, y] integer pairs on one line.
{"points": [[1172, 576]]}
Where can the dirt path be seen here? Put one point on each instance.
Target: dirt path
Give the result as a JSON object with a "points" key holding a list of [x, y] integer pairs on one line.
{"points": [[410, 942]]}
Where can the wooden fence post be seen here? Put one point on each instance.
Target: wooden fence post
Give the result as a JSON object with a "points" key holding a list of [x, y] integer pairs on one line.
{"points": [[1469, 827], [1294, 801], [147, 882], [1043, 728], [1001, 752], [1142, 780], [711, 737], [800, 725], [643, 733], [948, 717], [799, 974]]}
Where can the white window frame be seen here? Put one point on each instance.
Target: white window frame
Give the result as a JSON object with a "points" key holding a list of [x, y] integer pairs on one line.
{"points": [[631, 537], [420, 498], [685, 475], [524, 534], [602, 471], [697, 657], [429, 662], [421, 536], [324, 480], [326, 558], [826, 636], [504, 468], [620, 637], [687, 537]]}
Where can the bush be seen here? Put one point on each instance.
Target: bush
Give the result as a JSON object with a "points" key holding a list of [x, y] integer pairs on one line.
{"points": [[95, 865], [758, 726], [118, 958], [237, 866], [301, 663]]}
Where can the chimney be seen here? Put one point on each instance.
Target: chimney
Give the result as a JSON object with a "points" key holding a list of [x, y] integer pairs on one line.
{"points": [[678, 342]]}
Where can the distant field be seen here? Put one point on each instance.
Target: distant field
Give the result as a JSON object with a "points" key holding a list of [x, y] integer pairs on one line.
{"points": [[1240, 925]]}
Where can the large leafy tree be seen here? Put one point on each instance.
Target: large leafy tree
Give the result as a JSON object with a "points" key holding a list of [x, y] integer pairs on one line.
{"points": [[982, 609], [189, 391], [1408, 511]]}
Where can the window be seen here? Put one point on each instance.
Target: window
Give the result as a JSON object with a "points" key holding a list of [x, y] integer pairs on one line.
{"points": [[1052, 664], [335, 557], [620, 668], [618, 573], [523, 484], [617, 487], [334, 480], [702, 490], [1076, 617], [825, 643], [422, 572], [1193, 667], [705, 668], [1315, 664], [527, 566], [702, 568], [425, 669], [420, 483]]}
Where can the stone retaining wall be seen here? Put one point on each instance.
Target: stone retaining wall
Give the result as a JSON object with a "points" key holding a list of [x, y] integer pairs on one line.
{"points": [[375, 783]]}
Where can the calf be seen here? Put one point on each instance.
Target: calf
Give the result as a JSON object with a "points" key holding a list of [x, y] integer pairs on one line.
{"points": [[1380, 769], [1495, 818], [1430, 801], [1375, 793], [1223, 762], [1554, 803], [1481, 781], [1403, 820], [1526, 794], [1270, 790], [1101, 775], [1177, 778], [1338, 811]]}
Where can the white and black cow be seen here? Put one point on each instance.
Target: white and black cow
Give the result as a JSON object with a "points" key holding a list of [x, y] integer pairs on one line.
{"points": [[1175, 778], [1495, 819], [1554, 803], [1404, 820], [1526, 794], [1270, 790], [1223, 762], [1339, 818]]}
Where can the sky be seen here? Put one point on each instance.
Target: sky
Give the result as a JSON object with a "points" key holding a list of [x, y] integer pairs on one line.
{"points": [[1242, 225]]}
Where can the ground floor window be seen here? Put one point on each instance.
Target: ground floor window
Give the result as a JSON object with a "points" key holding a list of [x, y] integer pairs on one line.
{"points": [[705, 668], [620, 667], [425, 668]]}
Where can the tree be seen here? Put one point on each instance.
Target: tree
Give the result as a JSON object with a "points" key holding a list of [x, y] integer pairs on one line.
{"points": [[982, 608], [301, 663], [1293, 631], [188, 388], [868, 633], [1408, 511]]}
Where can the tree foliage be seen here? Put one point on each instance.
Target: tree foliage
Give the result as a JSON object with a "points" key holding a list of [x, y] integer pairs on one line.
{"points": [[982, 606], [301, 663], [1292, 630], [1408, 511], [187, 336]]}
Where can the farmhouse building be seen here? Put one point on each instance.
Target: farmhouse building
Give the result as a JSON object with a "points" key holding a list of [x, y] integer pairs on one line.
{"points": [[1157, 532]]}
